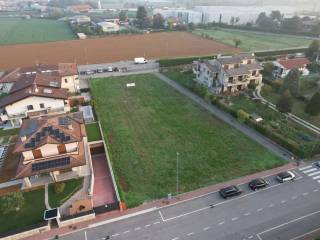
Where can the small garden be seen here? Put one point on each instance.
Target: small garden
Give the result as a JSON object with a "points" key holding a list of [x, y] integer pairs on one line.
{"points": [[93, 132], [60, 192], [19, 210]]}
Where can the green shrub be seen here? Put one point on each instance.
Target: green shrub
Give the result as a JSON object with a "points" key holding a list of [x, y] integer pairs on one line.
{"points": [[182, 61], [243, 115], [59, 187]]}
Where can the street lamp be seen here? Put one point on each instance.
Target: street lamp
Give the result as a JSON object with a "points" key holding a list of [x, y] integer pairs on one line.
{"points": [[177, 183]]}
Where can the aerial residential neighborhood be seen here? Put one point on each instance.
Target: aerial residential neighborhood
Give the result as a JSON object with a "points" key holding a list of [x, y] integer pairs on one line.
{"points": [[160, 120]]}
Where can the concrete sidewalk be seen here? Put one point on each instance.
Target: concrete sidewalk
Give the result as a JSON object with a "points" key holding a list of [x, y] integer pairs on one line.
{"points": [[158, 204]]}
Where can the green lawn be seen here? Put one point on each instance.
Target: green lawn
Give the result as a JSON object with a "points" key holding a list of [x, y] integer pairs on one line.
{"points": [[34, 30], [93, 132], [9, 132], [31, 213], [72, 186], [147, 125], [254, 41]]}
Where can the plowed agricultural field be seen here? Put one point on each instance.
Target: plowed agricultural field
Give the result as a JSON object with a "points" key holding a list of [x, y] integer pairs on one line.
{"points": [[111, 49]]}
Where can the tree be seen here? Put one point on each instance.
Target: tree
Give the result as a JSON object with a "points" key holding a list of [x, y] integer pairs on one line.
{"points": [[292, 82], [313, 106], [285, 103], [313, 48], [268, 69], [142, 17], [265, 22], [11, 202], [276, 15], [123, 16], [294, 24], [237, 42], [59, 187], [158, 21]]}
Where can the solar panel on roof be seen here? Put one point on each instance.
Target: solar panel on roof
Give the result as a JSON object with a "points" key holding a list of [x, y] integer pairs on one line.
{"points": [[27, 145], [67, 138], [32, 144], [33, 140], [59, 162], [64, 121]]}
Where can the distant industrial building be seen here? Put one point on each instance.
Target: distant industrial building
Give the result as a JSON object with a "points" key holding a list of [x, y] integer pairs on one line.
{"points": [[185, 16], [109, 26]]}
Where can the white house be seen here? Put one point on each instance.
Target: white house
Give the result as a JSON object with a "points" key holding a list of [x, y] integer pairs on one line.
{"points": [[109, 26], [228, 74], [284, 66]]}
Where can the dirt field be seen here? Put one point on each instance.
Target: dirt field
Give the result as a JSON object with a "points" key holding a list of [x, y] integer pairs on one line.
{"points": [[110, 49]]}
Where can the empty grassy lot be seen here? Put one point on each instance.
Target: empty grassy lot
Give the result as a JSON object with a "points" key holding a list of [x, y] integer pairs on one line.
{"points": [[93, 132], [147, 125], [18, 31], [255, 41]]}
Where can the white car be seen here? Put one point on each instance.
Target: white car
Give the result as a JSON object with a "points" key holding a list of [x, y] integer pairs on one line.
{"points": [[285, 177]]}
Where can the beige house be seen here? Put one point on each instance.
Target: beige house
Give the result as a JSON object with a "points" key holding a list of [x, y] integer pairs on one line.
{"points": [[52, 149], [109, 26], [228, 74]]}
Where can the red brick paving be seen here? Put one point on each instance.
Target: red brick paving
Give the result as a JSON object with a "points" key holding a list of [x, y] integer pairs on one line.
{"points": [[162, 202], [103, 191]]}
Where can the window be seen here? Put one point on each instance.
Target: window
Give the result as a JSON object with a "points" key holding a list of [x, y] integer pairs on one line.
{"points": [[30, 107], [230, 79], [41, 105], [66, 80], [254, 73]]}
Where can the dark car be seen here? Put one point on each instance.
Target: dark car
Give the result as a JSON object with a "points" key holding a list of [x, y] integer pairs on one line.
{"points": [[285, 177], [317, 164], [230, 191], [258, 183]]}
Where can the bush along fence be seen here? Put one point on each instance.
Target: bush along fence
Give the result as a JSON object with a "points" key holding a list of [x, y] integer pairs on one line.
{"points": [[304, 150], [261, 56]]}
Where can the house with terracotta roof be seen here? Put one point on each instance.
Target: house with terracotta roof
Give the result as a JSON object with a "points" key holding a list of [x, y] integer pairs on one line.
{"points": [[52, 149], [228, 74], [79, 8], [284, 65], [65, 74]]}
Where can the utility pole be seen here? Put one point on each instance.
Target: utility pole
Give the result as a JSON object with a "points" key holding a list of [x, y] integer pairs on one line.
{"points": [[177, 184]]}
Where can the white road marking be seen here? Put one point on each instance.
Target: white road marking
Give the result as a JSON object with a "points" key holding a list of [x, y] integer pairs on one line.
{"points": [[294, 197], [221, 223], [316, 177], [318, 181], [304, 168], [156, 223], [310, 170], [314, 173], [163, 220], [85, 235], [190, 234], [125, 232], [234, 219], [148, 225], [247, 214], [305, 194], [137, 228], [176, 238], [259, 210], [271, 205], [206, 228], [115, 235], [250, 237], [315, 190], [286, 223], [283, 201]]}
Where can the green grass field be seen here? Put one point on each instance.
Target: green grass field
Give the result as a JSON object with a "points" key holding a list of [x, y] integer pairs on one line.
{"points": [[93, 132], [30, 214], [147, 125], [254, 41], [57, 199], [32, 31]]}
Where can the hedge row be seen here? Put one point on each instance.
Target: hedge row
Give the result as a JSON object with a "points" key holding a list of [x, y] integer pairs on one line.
{"points": [[280, 52], [302, 151], [182, 61]]}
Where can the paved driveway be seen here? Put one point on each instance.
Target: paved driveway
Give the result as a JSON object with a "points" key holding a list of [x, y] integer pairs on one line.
{"points": [[103, 192]]}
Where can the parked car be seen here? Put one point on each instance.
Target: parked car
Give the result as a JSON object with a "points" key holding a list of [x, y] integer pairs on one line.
{"points": [[258, 183], [83, 72], [317, 164], [108, 69], [90, 72], [285, 177], [99, 70], [115, 69], [230, 191]]}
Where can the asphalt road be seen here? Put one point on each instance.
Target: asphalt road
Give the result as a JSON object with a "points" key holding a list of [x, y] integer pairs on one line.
{"points": [[284, 211]]}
